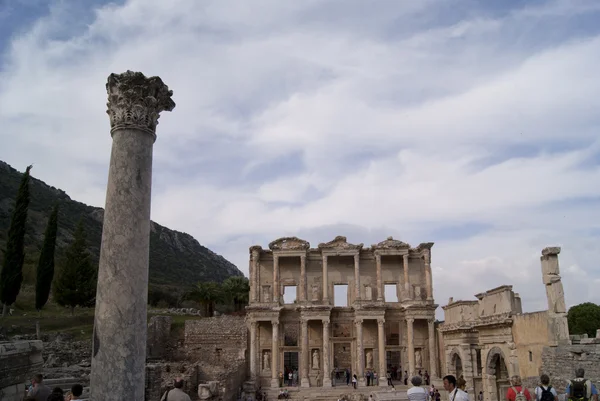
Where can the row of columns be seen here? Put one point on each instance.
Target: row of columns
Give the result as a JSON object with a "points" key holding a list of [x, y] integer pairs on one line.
{"points": [[360, 368], [254, 273]]}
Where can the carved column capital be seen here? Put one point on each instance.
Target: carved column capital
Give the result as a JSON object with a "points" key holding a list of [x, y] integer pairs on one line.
{"points": [[274, 323], [135, 101], [380, 322], [359, 321], [430, 321], [325, 322], [410, 320]]}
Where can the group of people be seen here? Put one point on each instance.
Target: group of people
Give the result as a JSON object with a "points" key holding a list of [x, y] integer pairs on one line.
{"points": [[38, 391], [578, 389]]}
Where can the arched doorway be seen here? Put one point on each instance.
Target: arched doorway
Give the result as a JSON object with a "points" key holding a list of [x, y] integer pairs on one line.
{"points": [[456, 364], [498, 377]]}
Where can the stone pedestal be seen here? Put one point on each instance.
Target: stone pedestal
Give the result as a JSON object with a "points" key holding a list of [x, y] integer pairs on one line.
{"points": [[119, 340]]}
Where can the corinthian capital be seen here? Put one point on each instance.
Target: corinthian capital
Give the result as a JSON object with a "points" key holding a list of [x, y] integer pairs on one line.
{"points": [[135, 102]]}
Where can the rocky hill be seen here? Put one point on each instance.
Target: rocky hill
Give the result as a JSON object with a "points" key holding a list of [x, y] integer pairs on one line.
{"points": [[176, 258]]}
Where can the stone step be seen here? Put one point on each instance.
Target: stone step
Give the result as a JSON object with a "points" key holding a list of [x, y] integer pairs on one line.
{"points": [[334, 393]]}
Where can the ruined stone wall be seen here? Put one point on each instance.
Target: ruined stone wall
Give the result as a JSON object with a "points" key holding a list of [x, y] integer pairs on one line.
{"points": [[159, 335], [560, 363], [530, 334], [19, 361]]}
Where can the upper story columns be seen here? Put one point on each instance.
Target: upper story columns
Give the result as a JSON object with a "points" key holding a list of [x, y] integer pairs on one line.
{"points": [[340, 247]]}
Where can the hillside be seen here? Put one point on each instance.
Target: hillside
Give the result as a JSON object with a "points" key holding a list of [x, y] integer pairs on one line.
{"points": [[176, 259]]}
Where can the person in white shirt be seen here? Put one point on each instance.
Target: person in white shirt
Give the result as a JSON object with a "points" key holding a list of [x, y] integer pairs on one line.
{"points": [[416, 392], [454, 393], [545, 392]]}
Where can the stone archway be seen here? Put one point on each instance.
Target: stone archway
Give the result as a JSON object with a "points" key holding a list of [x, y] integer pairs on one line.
{"points": [[456, 364], [498, 379]]}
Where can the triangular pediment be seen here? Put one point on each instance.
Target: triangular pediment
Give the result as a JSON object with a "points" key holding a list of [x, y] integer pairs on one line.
{"points": [[340, 243], [289, 244], [391, 243]]}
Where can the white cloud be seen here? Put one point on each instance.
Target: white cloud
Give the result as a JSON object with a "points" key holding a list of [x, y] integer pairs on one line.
{"points": [[320, 118]]}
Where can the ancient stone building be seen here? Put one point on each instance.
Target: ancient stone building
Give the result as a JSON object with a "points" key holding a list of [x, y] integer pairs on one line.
{"points": [[340, 317], [489, 340]]}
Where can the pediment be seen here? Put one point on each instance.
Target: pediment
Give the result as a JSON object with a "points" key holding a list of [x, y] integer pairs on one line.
{"points": [[289, 244], [391, 243], [340, 243]]}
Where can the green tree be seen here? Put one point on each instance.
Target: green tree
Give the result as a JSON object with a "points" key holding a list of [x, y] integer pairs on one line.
{"points": [[208, 294], [236, 289], [76, 281], [45, 268], [11, 276], [584, 319]]}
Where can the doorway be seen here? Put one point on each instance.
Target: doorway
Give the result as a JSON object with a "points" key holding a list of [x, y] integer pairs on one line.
{"points": [[394, 365], [290, 365], [342, 362]]}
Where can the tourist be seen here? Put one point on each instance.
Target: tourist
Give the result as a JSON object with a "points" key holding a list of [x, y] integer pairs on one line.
{"points": [[426, 377], [375, 379], [38, 389], [461, 383], [354, 381], [76, 392], [454, 393], [280, 379], [480, 396], [438, 396], [295, 377], [517, 391], [347, 375], [389, 379], [406, 377], [580, 388], [177, 393], [290, 378], [416, 392], [432, 392], [545, 392], [368, 377]]}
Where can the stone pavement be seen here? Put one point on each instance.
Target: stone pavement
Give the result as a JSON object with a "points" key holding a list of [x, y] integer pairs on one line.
{"points": [[334, 393]]}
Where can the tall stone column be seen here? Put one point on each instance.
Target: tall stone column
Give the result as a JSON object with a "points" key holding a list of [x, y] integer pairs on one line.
{"points": [[432, 349], [558, 329], [357, 296], [325, 281], [304, 380], [253, 346], [276, 278], [302, 278], [360, 351], [428, 281], [326, 368], [120, 326], [254, 277], [382, 354], [275, 355], [379, 281], [407, 289], [411, 345]]}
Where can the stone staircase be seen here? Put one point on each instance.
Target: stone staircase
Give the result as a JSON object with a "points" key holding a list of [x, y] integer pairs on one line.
{"points": [[334, 393]]}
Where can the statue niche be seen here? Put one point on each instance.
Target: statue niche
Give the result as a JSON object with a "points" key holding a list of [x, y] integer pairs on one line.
{"points": [[266, 360], [368, 292], [315, 292], [315, 359], [418, 358], [369, 358]]}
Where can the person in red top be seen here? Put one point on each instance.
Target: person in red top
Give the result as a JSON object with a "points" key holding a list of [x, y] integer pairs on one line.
{"points": [[516, 384]]}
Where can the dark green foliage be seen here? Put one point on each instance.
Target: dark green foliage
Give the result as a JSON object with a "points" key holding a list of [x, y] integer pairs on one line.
{"points": [[11, 276], [76, 281], [45, 268], [584, 319], [237, 290], [208, 294], [176, 259]]}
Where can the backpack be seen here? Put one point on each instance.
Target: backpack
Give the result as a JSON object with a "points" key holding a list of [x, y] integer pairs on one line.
{"points": [[579, 390], [520, 395], [546, 394]]}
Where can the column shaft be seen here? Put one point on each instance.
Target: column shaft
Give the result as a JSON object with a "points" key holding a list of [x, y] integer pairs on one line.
{"points": [[407, 289], [411, 346], [275, 355], [276, 278], [304, 380], [357, 296], [433, 372], [253, 345], [255, 278], [326, 368], [382, 353], [379, 279], [360, 352], [325, 281], [428, 280], [302, 278]]}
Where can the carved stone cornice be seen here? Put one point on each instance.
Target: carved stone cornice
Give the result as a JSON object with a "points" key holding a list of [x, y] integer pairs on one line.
{"points": [[255, 248], [135, 101], [339, 243], [551, 250], [289, 244], [390, 243]]}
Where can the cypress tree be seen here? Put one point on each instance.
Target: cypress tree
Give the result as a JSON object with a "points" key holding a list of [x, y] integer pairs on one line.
{"points": [[11, 276], [45, 268], [76, 281]]}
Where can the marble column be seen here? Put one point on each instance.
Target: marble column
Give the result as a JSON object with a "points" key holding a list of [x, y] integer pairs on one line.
{"points": [[302, 278], [276, 291], [357, 296], [360, 351], [253, 346], [325, 281], [379, 281], [255, 284], [432, 349], [120, 326], [275, 355], [407, 289], [304, 380], [428, 281], [411, 345], [382, 353], [326, 368]]}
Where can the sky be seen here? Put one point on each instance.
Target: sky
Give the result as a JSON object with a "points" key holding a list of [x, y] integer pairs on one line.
{"points": [[471, 124]]}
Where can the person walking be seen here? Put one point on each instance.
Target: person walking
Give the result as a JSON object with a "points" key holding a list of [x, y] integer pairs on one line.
{"points": [[454, 393], [545, 392], [581, 389], [177, 393], [416, 392], [389, 380]]}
